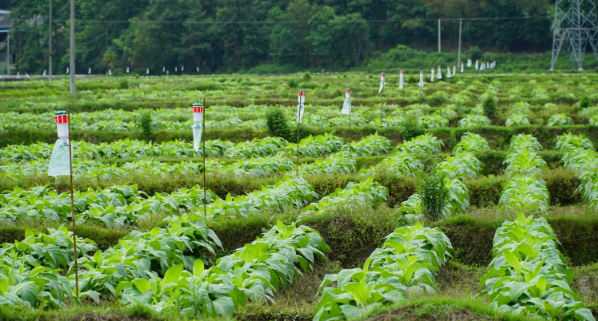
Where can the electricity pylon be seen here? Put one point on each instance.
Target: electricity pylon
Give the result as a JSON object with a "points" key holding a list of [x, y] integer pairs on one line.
{"points": [[578, 27]]}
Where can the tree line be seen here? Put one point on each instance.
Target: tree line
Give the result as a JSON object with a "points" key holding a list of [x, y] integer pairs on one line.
{"points": [[238, 35]]}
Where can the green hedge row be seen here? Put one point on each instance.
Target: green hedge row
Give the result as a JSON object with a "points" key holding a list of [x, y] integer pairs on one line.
{"points": [[352, 236], [497, 136]]}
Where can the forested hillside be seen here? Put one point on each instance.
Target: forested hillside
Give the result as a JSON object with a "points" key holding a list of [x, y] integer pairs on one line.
{"points": [[236, 35]]}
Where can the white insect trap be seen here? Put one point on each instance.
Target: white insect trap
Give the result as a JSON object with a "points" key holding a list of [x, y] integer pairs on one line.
{"points": [[59, 161], [439, 75], [432, 78], [198, 110], [347, 103], [448, 72], [401, 80], [381, 82], [421, 79], [300, 105]]}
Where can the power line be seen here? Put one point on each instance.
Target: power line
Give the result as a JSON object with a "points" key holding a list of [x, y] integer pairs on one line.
{"points": [[305, 21]]}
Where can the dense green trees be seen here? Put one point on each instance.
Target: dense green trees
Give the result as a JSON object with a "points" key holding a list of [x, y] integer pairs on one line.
{"points": [[322, 34]]}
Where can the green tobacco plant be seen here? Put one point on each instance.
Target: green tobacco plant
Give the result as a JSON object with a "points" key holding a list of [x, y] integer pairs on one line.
{"points": [[472, 143], [517, 120], [366, 193], [402, 163], [254, 272], [472, 121], [524, 162], [463, 164], [559, 120], [525, 193], [524, 142], [422, 144], [528, 275], [405, 265]]}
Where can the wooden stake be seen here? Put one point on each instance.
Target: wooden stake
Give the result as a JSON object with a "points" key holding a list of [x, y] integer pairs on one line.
{"points": [[205, 200], [73, 204], [350, 129], [298, 117]]}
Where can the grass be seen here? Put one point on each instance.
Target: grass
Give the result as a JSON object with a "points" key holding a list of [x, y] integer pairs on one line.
{"points": [[104, 311]]}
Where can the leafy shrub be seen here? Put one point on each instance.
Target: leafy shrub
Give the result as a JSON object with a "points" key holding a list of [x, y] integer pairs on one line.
{"points": [[307, 77], [124, 84], [292, 83], [490, 107], [434, 194], [474, 53], [584, 102], [277, 124], [145, 124], [412, 130]]}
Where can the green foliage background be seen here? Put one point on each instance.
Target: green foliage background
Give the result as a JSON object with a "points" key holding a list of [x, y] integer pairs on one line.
{"points": [[273, 36]]}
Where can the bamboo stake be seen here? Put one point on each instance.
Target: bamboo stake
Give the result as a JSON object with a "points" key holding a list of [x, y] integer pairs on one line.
{"points": [[205, 200], [298, 139], [73, 204]]}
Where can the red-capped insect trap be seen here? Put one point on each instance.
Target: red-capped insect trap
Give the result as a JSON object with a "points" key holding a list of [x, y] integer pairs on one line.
{"points": [[198, 112]]}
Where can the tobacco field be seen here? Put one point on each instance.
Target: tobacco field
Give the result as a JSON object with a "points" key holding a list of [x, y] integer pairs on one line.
{"points": [[473, 197]]}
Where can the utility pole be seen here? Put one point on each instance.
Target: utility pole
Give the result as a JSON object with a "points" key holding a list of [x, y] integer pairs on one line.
{"points": [[439, 35], [50, 43], [8, 53], [460, 28], [72, 53]]}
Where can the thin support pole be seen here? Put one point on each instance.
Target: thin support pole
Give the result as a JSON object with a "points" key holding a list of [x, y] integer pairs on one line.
{"points": [[459, 56], [70, 147], [50, 44], [8, 53], [439, 36], [203, 141], [350, 130], [298, 141], [72, 48]]}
